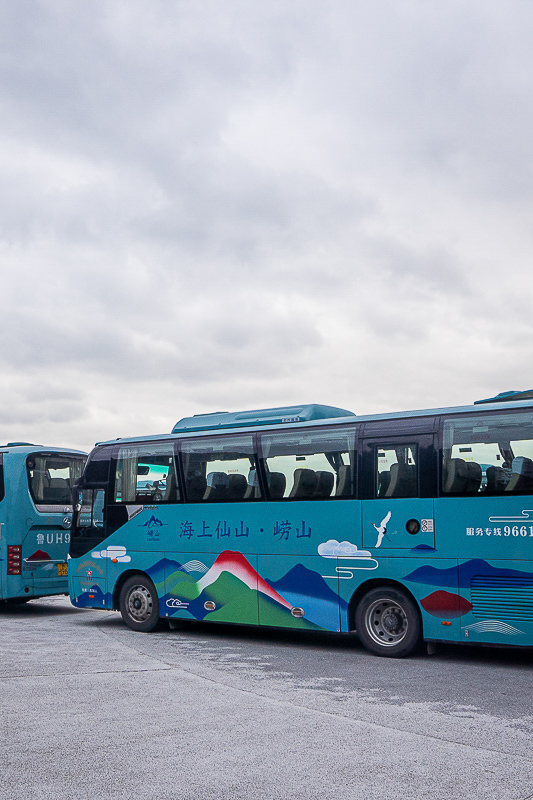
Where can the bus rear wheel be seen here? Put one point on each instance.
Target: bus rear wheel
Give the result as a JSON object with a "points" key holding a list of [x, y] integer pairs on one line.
{"points": [[139, 604], [388, 623]]}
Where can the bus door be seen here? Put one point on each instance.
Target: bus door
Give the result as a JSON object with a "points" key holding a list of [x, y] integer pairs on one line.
{"points": [[397, 512], [88, 584]]}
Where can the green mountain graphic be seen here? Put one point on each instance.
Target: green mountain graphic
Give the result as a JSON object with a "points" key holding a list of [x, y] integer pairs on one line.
{"points": [[181, 584], [272, 613]]}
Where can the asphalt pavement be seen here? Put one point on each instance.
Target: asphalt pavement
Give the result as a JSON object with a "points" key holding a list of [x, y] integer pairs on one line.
{"points": [[91, 710]]}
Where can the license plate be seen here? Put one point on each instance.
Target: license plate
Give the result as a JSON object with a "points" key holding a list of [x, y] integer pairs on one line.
{"points": [[62, 569]]}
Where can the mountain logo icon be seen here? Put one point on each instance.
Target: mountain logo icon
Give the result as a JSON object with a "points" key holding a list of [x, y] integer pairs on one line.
{"points": [[153, 522]]}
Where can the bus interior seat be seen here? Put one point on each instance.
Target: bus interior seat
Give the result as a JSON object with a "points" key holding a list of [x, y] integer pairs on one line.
{"points": [[58, 491], [236, 487], [325, 481], [497, 480], [195, 486], [455, 476], [39, 482], [402, 481], [383, 482], [522, 475], [171, 491], [252, 488], [276, 485], [217, 486], [304, 483], [344, 481], [474, 477]]}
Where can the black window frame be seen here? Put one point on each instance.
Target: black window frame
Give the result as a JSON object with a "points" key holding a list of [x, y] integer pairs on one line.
{"points": [[354, 461], [41, 504], [217, 437], [111, 483], [478, 413], [427, 462]]}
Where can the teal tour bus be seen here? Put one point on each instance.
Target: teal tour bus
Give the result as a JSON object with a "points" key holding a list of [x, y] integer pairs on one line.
{"points": [[401, 527], [35, 519]]}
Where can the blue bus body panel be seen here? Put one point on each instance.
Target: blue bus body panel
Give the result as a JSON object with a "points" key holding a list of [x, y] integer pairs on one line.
{"points": [[258, 562], [42, 532]]}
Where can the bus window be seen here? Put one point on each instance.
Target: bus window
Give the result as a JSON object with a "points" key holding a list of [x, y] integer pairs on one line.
{"points": [[51, 478], [220, 469], [91, 509], [2, 489], [396, 471], [311, 465], [489, 454], [146, 474]]}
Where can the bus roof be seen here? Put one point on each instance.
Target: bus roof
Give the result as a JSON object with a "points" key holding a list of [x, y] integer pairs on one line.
{"points": [[503, 396], [256, 420], [262, 416], [23, 448]]}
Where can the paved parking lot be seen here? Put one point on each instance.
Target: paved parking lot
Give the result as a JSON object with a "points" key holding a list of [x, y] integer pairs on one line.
{"points": [[93, 710]]}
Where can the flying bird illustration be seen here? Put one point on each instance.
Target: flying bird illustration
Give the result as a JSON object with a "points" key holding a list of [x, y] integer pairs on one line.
{"points": [[381, 529]]}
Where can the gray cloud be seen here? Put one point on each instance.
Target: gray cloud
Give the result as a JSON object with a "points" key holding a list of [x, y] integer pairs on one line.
{"points": [[214, 206]]}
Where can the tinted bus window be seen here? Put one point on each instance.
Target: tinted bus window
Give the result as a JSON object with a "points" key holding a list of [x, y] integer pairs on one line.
{"points": [[396, 470], [310, 465], [51, 477], [220, 469], [488, 454], [146, 473], [2, 487], [97, 468]]}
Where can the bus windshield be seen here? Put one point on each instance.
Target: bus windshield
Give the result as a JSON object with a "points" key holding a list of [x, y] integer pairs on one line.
{"points": [[51, 477]]}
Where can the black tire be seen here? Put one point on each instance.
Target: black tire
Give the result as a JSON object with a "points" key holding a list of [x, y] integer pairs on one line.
{"points": [[139, 604], [387, 623]]}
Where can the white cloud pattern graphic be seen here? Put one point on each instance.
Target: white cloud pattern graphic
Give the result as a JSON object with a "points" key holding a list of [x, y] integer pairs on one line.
{"points": [[334, 549], [114, 552]]}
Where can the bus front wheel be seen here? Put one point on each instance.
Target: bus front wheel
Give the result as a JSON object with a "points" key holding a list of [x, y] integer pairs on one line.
{"points": [[139, 604], [388, 623]]}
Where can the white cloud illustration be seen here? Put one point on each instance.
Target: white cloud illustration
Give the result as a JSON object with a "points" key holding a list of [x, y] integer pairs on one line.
{"points": [[114, 552], [334, 549]]}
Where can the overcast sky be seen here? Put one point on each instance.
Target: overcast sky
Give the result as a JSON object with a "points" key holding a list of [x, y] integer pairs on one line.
{"points": [[229, 205]]}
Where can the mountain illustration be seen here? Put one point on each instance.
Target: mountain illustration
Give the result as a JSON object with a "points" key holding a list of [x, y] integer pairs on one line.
{"points": [[39, 555], [271, 613], [305, 588], [462, 576], [238, 603], [235, 563], [305, 582], [181, 584], [240, 593], [446, 605], [235, 601], [165, 566]]}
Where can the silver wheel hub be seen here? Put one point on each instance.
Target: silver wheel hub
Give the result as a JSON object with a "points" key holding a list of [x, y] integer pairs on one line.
{"points": [[386, 622], [139, 603]]}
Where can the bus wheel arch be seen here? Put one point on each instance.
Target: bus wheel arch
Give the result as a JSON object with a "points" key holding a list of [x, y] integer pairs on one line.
{"points": [[138, 601], [387, 619]]}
